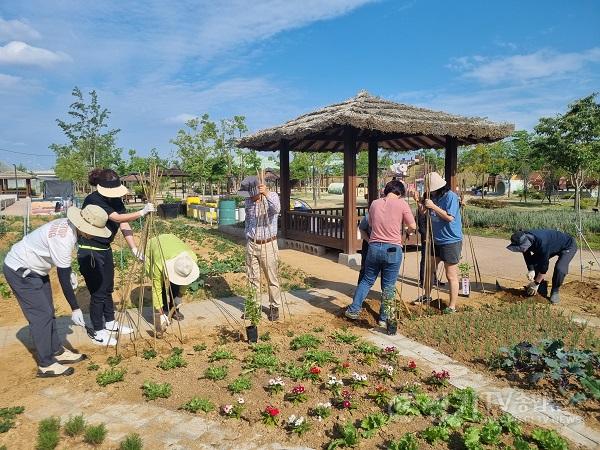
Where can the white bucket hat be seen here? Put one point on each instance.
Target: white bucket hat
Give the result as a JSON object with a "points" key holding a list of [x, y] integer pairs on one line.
{"points": [[112, 189], [182, 270], [90, 220], [435, 181]]}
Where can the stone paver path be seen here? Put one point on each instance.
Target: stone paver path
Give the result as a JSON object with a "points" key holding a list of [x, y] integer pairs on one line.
{"points": [[525, 406]]}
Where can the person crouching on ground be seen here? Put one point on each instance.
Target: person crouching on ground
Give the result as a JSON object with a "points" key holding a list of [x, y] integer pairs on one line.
{"points": [[388, 216], [262, 253], [446, 224], [538, 246], [26, 269], [169, 260], [95, 255]]}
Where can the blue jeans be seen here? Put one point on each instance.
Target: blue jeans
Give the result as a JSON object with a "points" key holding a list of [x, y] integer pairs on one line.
{"points": [[381, 258]]}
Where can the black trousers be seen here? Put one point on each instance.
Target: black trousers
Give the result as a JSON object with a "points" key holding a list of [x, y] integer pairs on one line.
{"points": [[34, 295], [168, 295], [561, 268], [98, 270]]}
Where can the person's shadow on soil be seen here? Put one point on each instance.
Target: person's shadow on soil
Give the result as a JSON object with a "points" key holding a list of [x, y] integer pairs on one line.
{"points": [[63, 326]]}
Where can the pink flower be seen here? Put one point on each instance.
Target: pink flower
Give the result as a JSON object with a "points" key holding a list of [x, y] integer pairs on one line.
{"points": [[227, 409], [391, 349], [346, 393], [345, 364], [412, 365], [346, 404]]}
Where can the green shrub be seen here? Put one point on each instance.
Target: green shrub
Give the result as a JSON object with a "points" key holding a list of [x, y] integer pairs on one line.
{"points": [[48, 435], [220, 354], [487, 203], [132, 442], [153, 390], [305, 341], [75, 425], [149, 353], [239, 385], [95, 434]]}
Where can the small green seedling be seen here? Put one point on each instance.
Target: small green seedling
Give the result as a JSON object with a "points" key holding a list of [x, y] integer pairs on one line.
{"points": [[239, 385], [306, 341], [149, 353], [215, 373], [92, 367], [174, 360], [198, 404], [153, 390], [220, 354], [109, 376], [113, 361], [95, 434], [7, 417], [199, 347]]}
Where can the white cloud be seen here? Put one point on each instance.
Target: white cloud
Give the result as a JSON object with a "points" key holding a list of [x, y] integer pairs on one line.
{"points": [[8, 81], [17, 29], [20, 53], [541, 64], [180, 118]]}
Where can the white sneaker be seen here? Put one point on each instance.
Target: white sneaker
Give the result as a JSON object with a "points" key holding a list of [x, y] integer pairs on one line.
{"points": [[103, 337], [113, 325]]}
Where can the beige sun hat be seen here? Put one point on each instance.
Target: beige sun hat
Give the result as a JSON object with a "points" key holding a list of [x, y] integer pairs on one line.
{"points": [[90, 220], [182, 270], [112, 189], [435, 181]]}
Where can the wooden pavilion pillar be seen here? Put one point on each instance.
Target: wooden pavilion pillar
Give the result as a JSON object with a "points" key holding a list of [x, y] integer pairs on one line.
{"points": [[28, 187], [373, 171], [285, 186], [451, 161], [350, 217]]}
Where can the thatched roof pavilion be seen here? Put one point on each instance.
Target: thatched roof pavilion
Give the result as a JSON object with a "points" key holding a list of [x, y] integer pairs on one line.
{"points": [[366, 122]]}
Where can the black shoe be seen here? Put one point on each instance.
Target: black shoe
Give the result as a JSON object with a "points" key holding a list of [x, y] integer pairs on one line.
{"points": [[178, 315], [273, 314]]}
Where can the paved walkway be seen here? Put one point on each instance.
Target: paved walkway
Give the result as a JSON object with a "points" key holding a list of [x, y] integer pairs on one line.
{"points": [[120, 417]]}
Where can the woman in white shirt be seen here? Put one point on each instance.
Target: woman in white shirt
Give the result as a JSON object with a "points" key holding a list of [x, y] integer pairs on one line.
{"points": [[26, 268]]}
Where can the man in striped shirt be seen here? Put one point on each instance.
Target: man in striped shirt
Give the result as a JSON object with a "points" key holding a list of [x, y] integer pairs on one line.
{"points": [[262, 253]]}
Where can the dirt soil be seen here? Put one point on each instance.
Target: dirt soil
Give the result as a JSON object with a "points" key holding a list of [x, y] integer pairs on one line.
{"points": [[20, 387]]}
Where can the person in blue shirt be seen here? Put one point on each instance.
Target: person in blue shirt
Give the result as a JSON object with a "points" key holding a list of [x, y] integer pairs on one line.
{"points": [[538, 246], [444, 209]]}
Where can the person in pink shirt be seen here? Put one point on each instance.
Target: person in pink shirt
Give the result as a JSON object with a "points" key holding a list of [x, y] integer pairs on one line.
{"points": [[388, 217]]}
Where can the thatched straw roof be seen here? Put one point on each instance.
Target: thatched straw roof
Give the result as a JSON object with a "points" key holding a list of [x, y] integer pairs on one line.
{"points": [[394, 125]]}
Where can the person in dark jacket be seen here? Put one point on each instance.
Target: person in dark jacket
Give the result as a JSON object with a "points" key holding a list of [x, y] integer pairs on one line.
{"points": [[538, 246]]}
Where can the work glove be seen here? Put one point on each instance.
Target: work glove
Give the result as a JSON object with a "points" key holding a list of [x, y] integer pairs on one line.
{"points": [[177, 301], [77, 317], [164, 320], [138, 253], [148, 208], [532, 288], [531, 275], [73, 280]]}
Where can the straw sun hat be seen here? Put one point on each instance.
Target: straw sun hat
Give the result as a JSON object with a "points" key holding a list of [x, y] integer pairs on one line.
{"points": [[182, 270], [435, 181], [112, 189], [90, 220]]}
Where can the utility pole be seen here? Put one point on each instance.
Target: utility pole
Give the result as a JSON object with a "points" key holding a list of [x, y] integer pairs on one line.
{"points": [[16, 183]]}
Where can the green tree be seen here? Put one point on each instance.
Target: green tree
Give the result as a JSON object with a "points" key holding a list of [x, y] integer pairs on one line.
{"points": [[141, 164], [477, 160], [195, 147], [521, 159], [572, 141], [90, 143]]}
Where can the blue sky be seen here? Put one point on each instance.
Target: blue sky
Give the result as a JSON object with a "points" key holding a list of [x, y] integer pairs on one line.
{"points": [[157, 63]]}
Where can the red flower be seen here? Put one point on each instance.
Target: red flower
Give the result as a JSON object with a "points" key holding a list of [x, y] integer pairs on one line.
{"points": [[298, 389], [412, 365], [443, 375], [346, 404], [345, 364], [272, 411], [315, 370], [346, 393]]}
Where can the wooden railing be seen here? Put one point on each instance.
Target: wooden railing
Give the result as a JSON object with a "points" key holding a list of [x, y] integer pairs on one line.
{"points": [[322, 226]]}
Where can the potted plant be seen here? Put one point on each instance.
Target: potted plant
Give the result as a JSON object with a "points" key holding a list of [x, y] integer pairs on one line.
{"points": [[465, 285], [252, 313], [389, 306], [169, 208]]}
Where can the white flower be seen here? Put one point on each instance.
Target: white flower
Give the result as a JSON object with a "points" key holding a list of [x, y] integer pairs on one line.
{"points": [[276, 382], [292, 419], [241, 400], [333, 381], [359, 377], [324, 405], [227, 409], [299, 421], [389, 369]]}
